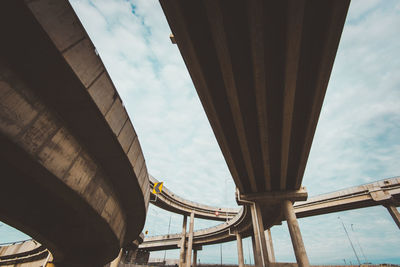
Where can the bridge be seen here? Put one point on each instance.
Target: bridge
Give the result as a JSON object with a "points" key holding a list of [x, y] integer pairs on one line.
{"points": [[72, 161], [385, 192], [261, 69], [69, 153], [28, 251]]}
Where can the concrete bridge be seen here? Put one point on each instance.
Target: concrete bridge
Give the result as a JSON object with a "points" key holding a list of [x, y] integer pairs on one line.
{"points": [[385, 192], [261, 69], [75, 175]]}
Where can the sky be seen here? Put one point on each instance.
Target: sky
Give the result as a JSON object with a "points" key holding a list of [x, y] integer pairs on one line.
{"points": [[356, 141]]}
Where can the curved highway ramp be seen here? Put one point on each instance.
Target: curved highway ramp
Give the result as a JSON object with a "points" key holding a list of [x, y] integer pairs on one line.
{"points": [[73, 173]]}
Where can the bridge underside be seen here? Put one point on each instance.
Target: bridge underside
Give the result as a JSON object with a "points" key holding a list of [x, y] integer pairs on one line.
{"points": [[73, 175], [261, 70], [39, 205]]}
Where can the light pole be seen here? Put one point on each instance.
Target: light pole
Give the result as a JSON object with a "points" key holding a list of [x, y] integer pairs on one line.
{"points": [[359, 245], [351, 243], [169, 226]]}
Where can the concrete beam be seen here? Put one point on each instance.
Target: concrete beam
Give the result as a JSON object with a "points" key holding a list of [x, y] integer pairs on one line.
{"points": [[277, 196]]}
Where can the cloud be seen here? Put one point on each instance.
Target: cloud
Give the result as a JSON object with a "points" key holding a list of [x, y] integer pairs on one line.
{"points": [[357, 135]]}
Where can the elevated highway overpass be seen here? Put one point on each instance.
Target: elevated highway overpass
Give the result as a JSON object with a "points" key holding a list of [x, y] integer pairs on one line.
{"points": [[169, 201], [73, 173], [385, 192], [261, 69]]}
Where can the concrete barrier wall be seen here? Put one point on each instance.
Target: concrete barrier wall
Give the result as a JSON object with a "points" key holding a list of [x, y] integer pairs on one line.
{"points": [[28, 253]]}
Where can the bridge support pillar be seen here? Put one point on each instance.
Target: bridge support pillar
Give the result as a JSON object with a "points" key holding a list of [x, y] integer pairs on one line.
{"points": [[294, 230], [394, 213], [190, 241], [270, 246], [259, 243], [183, 243], [253, 243], [194, 258], [240, 249]]}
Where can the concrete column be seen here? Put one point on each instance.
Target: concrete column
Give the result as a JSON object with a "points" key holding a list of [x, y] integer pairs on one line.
{"points": [[183, 241], [240, 249], [294, 229], [270, 246], [190, 241], [259, 236], [115, 262], [256, 258], [194, 258], [394, 213]]}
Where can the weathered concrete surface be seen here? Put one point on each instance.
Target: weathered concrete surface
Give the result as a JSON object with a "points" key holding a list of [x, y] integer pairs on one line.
{"points": [[73, 171], [260, 247], [240, 250], [23, 254], [294, 230], [190, 241], [182, 244]]}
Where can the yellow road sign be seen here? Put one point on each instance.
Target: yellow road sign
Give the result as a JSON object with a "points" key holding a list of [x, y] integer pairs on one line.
{"points": [[157, 189]]}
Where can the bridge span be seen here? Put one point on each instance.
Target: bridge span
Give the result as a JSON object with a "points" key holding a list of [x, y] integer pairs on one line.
{"points": [[261, 69], [385, 192], [73, 173]]}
